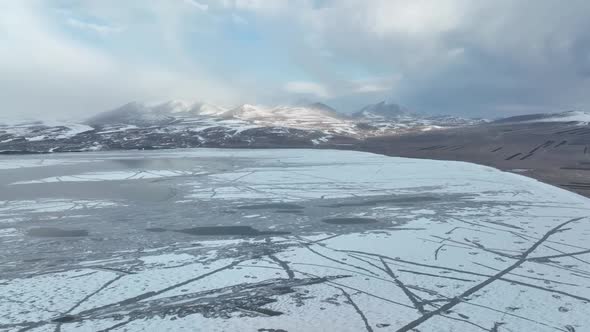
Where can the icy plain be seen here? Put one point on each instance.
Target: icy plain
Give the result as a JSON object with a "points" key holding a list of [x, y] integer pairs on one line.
{"points": [[286, 240]]}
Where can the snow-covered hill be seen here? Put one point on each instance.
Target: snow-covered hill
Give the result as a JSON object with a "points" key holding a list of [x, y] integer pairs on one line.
{"points": [[132, 114], [38, 131], [185, 108], [181, 124], [309, 117], [387, 117], [380, 111], [569, 116]]}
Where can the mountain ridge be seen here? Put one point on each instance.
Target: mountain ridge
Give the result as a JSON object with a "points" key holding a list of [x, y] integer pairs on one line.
{"points": [[181, 124]]}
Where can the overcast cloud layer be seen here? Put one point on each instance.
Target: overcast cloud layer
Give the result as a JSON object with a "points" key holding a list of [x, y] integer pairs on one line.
{"points": [[481, 58]]}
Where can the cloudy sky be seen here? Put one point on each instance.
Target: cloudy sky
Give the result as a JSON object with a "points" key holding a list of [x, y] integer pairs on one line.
{"points": [[481, 58]]}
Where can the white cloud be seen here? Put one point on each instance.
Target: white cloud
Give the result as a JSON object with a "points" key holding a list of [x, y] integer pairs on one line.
{"points": [[266, 7], [372, 87], [428, 54], [453, 55], [102, 29], [309, 88], [198, 5], [237, 19], [418, 18], [47, 74]]}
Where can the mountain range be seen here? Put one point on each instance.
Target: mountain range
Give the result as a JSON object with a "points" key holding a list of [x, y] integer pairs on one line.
{"points": [[180, 124]]}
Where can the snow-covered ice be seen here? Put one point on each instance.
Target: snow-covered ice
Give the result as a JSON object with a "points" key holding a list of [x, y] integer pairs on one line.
{"points": [[286, 240]]}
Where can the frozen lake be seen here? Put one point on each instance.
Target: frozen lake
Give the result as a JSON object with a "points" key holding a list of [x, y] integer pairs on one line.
{"points": [[286, 240]]}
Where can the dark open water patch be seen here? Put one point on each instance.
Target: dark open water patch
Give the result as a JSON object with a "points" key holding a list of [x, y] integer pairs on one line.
{"points": [[156, 229], [289, 211], [33, 260], [56, 232], [350, 221], [279, 206], [227, 230], [64, 319], [396, 200]]}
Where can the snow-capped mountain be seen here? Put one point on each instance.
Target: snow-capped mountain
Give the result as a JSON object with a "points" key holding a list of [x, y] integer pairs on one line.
{"points": [[386, 117], [139, 114], [176, 123], [205, 109], [313, 112], [309, 117], [173, 107], [321, 107], [185, 108], [133, 113], [382, 110]]}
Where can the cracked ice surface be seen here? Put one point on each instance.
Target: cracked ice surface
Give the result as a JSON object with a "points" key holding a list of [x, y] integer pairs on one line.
{"points": [[111, 176], [286, 240]]}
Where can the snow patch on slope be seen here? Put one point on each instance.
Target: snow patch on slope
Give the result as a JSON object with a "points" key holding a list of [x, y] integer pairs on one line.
{"points": [[572, 116]]}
